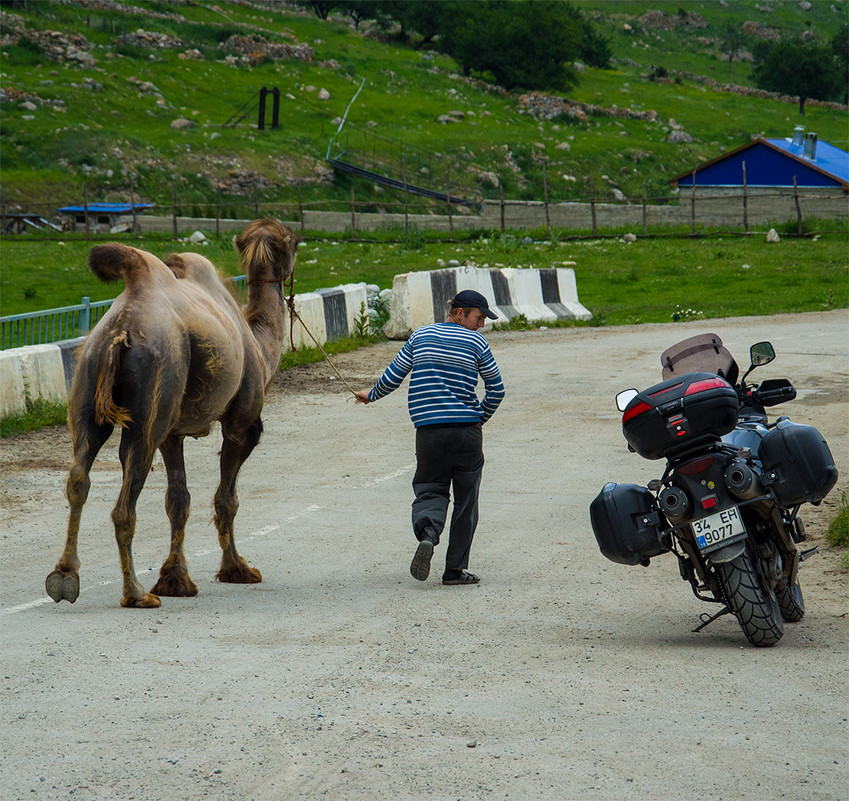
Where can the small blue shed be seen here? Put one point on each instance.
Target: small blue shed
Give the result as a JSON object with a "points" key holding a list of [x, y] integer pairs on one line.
{"points": [[774, 163]]}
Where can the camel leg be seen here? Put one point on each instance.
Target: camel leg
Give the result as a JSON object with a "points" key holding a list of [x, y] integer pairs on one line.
{"points": [[174, 574], [136, 458], [64, 582], [234, 569]]}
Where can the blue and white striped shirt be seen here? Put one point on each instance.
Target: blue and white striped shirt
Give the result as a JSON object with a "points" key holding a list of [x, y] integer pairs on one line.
{"points": [[446, 360]]}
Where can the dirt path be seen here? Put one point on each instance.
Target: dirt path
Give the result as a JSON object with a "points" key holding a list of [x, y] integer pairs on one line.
{"points": [[560, 676]]}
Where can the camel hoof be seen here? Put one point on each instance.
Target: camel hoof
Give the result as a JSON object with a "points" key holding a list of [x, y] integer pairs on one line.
{"points": [[147, 601], [63, 586], [174, 587], [240, 574]]}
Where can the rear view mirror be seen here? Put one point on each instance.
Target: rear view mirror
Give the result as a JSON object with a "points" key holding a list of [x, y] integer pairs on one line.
{"points": [[624, 398], [761, 353]]}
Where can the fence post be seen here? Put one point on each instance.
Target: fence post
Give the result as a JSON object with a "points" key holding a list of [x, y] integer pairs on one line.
{"points": [[85, 210], [645, 211], [353, 217], [133, 204], [406, 210], [47, 208], [218, 210], [448, 203], [693, 206], [85, 315], [745, 202], [592, 207], [798, 207], [545, 196], [174, 209], [301, 210], [501, 197]]}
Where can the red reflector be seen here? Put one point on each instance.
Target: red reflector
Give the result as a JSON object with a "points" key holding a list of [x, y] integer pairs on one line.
{"points": [[668, 389], [709, 501], [698, 466], [708, 383], [641, 407]]}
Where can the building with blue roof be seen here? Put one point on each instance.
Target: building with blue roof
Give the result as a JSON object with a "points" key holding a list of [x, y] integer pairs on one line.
{"points": [[105, 215], [780, 178]]}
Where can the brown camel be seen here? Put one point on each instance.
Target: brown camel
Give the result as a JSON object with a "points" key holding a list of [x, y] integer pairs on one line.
{"points": [[172, 355]]}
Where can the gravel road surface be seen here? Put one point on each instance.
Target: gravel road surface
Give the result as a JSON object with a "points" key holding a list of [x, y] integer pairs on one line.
{"points": [[561, 676]]}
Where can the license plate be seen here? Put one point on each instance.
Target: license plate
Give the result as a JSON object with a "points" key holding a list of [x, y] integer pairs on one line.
{"points": [[718, 527]]}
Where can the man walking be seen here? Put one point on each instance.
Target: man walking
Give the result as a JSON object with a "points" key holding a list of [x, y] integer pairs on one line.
{"points": [[445, 360]]}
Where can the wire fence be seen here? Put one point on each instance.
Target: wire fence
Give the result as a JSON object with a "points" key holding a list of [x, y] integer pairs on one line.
{"points": [[693, 207]]}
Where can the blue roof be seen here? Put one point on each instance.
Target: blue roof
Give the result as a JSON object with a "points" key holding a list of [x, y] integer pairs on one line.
{"points": [[106, 208], [774, 162]]}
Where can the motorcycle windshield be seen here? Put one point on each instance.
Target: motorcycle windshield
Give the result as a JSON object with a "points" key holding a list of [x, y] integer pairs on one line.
{"points": [[703, 353]]}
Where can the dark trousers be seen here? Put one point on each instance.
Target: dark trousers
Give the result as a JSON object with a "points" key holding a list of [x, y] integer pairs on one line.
{"points": [[448, 456]]}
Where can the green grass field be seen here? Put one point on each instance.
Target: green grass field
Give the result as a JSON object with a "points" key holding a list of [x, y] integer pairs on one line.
{"points": [[647, 281]]}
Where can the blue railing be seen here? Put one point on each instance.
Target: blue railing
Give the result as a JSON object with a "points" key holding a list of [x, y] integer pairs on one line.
{"points": [[67, 322]]}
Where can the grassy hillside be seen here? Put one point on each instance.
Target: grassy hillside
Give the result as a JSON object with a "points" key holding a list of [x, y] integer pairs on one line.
{"points": [[104, 118]]}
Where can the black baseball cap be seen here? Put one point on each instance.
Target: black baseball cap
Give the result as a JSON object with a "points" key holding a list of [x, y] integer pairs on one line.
{"points": [[468, 298]]}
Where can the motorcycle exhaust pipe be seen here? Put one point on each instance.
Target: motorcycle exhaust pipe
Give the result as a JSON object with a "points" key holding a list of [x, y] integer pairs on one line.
{"points": [[675, 504], [742, 481]]}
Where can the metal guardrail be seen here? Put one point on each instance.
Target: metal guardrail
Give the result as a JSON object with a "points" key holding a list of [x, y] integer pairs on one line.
{"points": [[68, 322]]}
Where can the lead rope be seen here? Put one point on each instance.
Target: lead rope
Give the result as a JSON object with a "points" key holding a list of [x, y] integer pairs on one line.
{"points": [[290, 302]]}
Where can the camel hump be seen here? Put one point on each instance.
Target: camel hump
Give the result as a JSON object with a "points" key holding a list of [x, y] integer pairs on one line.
{"points": [[176, 264], [113, 260]]}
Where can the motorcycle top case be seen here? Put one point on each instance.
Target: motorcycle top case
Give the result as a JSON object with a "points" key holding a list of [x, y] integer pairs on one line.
{"points": [[798, 463], [677, 412], [627, 524]]}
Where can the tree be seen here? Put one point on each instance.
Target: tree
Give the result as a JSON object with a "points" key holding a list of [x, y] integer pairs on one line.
{"points": [[322, 9], [797, 68], [840, 48], [528, 44], [730, 42]]}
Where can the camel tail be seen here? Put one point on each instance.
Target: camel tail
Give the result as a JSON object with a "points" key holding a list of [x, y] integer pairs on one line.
{"points": [[106, 410], [113, 260]]}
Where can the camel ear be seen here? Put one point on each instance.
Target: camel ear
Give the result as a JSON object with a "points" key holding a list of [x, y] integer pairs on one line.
{"points": [[113, 260], [239, 243]]}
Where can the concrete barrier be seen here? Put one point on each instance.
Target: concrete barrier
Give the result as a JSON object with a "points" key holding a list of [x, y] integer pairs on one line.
{"points": [[329, 314], [544, 295], [29, 374]]}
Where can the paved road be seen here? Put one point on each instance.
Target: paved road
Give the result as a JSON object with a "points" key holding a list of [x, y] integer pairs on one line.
{"points": [[561, 676]]}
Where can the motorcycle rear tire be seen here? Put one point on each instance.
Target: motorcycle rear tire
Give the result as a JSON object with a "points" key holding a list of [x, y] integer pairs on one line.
{"points": [[791, 602], [756, 608]]}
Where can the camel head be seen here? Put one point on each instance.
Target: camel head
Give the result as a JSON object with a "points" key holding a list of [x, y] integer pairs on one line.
{"points": [[267, 249]]}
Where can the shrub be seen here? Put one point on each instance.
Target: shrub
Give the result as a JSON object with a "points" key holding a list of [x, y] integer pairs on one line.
{"points": [[838, 529]]}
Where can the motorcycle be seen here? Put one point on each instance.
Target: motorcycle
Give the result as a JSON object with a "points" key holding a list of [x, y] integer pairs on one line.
{"points": [[727, 504]]}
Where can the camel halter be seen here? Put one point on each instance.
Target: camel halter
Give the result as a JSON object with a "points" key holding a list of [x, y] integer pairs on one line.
{"points": [[289, 283]]}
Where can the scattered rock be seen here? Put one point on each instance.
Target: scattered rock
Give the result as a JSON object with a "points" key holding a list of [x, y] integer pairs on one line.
{"points": [[323, 94], [181, 123], [772, 236], [678, 137], [197, 238]]}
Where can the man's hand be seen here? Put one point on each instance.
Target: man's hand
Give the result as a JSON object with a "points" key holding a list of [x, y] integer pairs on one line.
{"points": [[362, 396]]}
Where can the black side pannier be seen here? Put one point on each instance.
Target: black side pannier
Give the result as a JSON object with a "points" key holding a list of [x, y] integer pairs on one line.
{"points": [[627, 524], [797, 463]]}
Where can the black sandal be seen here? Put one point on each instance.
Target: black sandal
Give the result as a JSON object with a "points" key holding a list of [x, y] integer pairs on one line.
{"points": [[464, 578]]}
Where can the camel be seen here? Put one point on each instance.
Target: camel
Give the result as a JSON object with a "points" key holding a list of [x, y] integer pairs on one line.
{"points": [[173, 355]]}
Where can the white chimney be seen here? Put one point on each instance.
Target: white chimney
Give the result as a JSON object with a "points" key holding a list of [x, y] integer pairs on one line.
{"points": [[811, 146], [798, 134]]}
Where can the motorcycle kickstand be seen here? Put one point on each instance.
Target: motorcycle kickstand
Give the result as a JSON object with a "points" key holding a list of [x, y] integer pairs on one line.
{"points": [[707, 620]]}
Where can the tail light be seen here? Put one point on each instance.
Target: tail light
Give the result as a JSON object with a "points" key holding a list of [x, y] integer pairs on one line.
{"points": [[697, 466], [635, 411], [708, 383]]}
